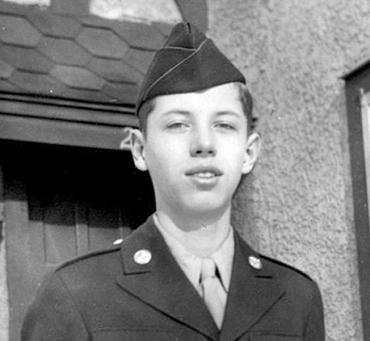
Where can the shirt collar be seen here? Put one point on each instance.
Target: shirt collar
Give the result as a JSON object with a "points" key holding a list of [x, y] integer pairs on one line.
{"points": [[223, 257], [190, 264]]}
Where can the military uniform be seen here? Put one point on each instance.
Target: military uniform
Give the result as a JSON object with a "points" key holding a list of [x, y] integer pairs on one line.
{"points": [[138, 292]]}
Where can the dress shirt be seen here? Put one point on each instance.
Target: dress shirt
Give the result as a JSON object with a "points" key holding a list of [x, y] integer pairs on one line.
{"points": [[191, 264]]}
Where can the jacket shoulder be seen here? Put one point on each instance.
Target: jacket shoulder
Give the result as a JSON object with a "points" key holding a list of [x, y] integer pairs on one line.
{"points": [[92, 264], [281, 267], [269, 266], [298, 286], [104, 263]]}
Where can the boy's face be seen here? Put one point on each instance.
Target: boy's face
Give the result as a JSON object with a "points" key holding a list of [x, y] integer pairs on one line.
{"points": [[196, 150]]}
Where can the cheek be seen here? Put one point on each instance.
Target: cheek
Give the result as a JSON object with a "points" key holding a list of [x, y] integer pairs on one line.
{"points": [[160, 165], [235, 153]]}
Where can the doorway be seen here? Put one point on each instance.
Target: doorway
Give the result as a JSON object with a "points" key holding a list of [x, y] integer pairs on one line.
{"points": [[60, 203]]}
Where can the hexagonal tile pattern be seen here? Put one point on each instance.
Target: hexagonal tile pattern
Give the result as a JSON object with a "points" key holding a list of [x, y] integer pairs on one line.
{"points": [[24, 58], [122, 93], [76, 77], [114, 70], [53, 25], [70, 7], [97, 22], [6, 70], [140, 35], [36, 83], [61, 50], [164, 28], [6, 86], [64, 51], [139, 59], [10, 7], [86, 95], [102, 43], [18, 31]]}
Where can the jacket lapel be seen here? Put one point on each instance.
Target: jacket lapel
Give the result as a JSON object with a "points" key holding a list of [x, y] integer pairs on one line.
{"points": [[252, 292], [161, 283]]}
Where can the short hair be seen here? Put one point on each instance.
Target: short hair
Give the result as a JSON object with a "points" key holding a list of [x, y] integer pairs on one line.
{"points": [[245, 98]]}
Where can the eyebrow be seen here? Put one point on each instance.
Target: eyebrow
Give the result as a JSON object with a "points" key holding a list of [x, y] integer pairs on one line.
{"points": [[177, 112], [228, 113], [188, 113]]}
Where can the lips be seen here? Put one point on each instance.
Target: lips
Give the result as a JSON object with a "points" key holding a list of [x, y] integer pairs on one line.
{"points": [[204, 172]]}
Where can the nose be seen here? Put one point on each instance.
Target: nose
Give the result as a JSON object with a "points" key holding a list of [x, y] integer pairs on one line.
{"points": [[203, 144]]}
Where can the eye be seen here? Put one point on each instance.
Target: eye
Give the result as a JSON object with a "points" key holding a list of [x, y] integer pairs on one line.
{"points": [[177, 126], [225, 126]]}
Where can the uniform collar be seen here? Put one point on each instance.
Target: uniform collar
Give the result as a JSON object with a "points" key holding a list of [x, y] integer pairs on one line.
{"points": [[191, 264], [162, 284]]}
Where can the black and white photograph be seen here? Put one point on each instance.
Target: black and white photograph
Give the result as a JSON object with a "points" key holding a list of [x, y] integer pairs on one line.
{"points": [[184, 170]]}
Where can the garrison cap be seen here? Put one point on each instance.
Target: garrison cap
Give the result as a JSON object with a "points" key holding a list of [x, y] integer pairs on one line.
{"points": [[188, 62]]}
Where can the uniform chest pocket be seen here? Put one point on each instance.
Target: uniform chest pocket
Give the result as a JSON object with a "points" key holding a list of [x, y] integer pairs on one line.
{"points": [[271, 337]]}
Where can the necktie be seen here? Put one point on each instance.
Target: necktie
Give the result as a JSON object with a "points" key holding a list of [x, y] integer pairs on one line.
{"points": [[214, 294]]}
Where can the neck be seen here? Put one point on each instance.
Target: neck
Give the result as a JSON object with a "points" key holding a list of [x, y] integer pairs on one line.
{"points": [[199, 236]]}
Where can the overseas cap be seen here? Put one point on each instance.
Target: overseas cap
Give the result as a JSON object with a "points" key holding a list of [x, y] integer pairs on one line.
{"points": [[188, 62]]}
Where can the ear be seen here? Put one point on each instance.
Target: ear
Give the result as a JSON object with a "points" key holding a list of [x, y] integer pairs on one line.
{"points": [[138, 149], [251, 153]]}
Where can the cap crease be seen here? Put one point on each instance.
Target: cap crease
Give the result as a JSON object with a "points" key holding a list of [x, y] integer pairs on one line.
{"points": [[174, 67]]}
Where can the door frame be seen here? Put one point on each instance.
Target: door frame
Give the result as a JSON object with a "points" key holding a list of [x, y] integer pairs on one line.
{"points": [[63, 122], [358, 84]]}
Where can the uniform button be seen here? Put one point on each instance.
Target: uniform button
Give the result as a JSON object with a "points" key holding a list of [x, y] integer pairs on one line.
{"points": [[118, 241], [255, 262], [142, 257]]}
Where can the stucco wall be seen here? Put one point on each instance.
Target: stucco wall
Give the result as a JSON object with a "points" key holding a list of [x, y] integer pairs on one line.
{"points": [[4, 314], [297, 206], [4, 309]]}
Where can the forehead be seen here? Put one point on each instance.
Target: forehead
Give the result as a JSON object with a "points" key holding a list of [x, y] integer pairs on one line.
{"points": [[223, 98]]}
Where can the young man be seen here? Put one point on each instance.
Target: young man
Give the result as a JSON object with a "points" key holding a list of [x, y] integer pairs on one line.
{"points": [[184, 274]]}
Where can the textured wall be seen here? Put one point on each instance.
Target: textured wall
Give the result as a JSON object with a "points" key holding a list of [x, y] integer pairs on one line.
{"points": [[4, 309], [297, 206], [4, 314]]}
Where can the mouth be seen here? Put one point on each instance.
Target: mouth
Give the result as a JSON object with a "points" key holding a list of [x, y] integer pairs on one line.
{"points": [[204, 172]]}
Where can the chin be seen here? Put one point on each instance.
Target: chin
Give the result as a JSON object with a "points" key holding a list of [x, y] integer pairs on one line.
{"points": [[206, 208]]}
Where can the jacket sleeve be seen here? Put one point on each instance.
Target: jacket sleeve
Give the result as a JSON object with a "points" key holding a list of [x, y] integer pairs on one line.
{"points": [[315, 327], [53, 315]]}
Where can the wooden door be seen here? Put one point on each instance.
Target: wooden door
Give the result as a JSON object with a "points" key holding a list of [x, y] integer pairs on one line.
{"points": [[61, 203]]}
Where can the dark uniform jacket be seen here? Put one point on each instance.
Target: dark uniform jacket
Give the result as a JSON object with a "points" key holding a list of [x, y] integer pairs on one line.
{"points": [[108, 296]]}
